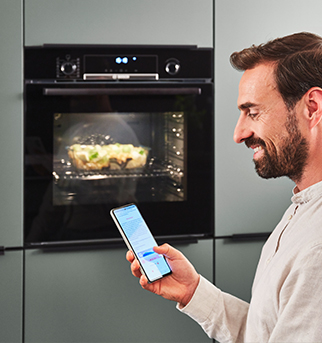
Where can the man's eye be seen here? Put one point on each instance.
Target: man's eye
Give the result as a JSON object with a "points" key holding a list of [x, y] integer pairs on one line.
{"points": [[252, 114]]}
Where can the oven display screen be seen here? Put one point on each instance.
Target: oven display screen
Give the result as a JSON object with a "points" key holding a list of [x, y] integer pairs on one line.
{"points": [[120, 64]]}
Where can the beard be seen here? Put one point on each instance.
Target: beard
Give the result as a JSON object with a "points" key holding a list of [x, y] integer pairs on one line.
{"points": [[291, 157]]}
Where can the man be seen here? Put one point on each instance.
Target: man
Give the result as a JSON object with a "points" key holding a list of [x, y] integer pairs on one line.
{"points": [[280, 100]]}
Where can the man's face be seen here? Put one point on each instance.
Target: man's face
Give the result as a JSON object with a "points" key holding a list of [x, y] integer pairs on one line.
{"points": [[268, 127]]}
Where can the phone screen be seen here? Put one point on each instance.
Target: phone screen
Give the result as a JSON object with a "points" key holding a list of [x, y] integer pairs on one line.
{"points": [[140, 240]]}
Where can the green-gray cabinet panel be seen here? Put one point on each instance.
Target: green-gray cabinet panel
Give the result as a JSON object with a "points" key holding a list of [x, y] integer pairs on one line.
{"points": [[235, 266], [11, 288], [91, 296], [245, 202], [119, 22], [11, 119]]}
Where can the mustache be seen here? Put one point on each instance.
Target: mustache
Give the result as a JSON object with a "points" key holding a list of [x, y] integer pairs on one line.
{"points": [[254, 141]]}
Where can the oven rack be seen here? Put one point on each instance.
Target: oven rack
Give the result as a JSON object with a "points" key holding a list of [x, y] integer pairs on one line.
{"points": [[65, 172]]}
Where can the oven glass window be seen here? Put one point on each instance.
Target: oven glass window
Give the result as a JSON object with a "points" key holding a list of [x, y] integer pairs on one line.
{"points": [[86, 154], [125, 156]]}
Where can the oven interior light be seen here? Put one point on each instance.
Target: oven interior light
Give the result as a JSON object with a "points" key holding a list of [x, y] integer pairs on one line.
{"points": [[56, 176]]}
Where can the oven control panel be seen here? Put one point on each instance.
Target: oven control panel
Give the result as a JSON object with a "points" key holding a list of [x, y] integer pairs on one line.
{"points": [[67, 67], [117, 63], [121, 67]]}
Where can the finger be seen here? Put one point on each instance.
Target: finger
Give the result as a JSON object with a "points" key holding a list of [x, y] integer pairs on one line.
{"points": [[144, 281], [135, 268], [167, 250], [162, 249], [130, 256], [151, 287]]}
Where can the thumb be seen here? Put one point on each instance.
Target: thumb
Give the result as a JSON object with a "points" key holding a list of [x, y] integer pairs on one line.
{"points": [[166, 250]]}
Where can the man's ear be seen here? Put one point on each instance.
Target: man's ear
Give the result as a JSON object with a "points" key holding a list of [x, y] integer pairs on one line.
{"points": [[313, 101]]}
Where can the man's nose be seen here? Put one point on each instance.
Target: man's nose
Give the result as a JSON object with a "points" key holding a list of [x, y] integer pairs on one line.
{"points": [[242, 130]]}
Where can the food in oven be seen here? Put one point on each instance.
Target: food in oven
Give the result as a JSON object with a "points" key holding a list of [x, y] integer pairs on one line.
{"points": [[112, 156]]}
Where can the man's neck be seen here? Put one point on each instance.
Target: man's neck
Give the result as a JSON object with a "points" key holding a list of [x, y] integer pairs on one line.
{"points": [[308, 181]]}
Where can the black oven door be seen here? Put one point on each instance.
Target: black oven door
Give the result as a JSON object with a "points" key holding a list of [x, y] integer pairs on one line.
{"points": [[90, 147]]}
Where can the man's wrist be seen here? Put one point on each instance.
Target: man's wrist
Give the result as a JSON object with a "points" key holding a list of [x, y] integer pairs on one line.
{"points": [[186, 300]]}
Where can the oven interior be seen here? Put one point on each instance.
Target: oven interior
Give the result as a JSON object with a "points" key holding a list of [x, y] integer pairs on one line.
{"points": [[136, 157]]}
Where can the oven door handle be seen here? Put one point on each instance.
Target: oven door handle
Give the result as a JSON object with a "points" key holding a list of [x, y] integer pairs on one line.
{"points": [[120, 91]]}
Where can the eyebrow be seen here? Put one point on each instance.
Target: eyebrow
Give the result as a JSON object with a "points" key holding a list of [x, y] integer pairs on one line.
{"points": [[246, 105]]}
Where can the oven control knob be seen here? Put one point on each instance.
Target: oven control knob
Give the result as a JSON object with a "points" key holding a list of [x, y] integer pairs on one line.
{"points": [[68, 68], [172, 66]]}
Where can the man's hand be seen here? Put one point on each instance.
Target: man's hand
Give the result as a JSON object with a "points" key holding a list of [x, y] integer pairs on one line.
{"points": [[180, 285]]}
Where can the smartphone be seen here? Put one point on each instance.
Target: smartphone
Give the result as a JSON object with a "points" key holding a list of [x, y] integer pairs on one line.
{"points": [[140, 241]]}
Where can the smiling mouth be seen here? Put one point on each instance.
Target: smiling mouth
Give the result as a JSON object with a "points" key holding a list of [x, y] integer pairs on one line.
{"points": [[256, 144], [258, 148]]}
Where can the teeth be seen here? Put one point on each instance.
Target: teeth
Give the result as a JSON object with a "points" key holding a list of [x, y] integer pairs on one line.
{"points": [[258, 149]]}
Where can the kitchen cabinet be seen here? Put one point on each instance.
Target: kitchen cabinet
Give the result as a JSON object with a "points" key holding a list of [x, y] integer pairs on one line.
{"points": [[11, 300], [11, 122], [119, 22], [82, 296], [245, 203], [91, 296], [11, 114], [235, 266]]}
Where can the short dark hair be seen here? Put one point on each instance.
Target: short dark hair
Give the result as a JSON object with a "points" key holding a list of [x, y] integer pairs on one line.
{"points": [[297, 59]]}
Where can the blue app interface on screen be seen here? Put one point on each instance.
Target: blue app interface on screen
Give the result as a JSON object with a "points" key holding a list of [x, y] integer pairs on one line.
{"points": [[142, 241]]}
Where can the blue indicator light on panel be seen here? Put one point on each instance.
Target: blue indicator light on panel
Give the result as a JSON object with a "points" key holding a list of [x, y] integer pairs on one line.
{"points": [[134, 58], [118, 60], [125, 60]]}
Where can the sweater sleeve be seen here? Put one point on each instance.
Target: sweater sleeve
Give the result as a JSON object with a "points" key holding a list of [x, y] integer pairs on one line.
{"points": [[221, 315], [300, 306]]}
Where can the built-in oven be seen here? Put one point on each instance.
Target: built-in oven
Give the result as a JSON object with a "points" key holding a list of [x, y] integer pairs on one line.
{"points": [[110, 125]]}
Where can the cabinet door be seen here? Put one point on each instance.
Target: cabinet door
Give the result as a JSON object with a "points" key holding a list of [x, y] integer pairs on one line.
{"points": [[11, 123], [91, 296], [235, 266], [119, 22], [245, 203], [11, 286]]}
